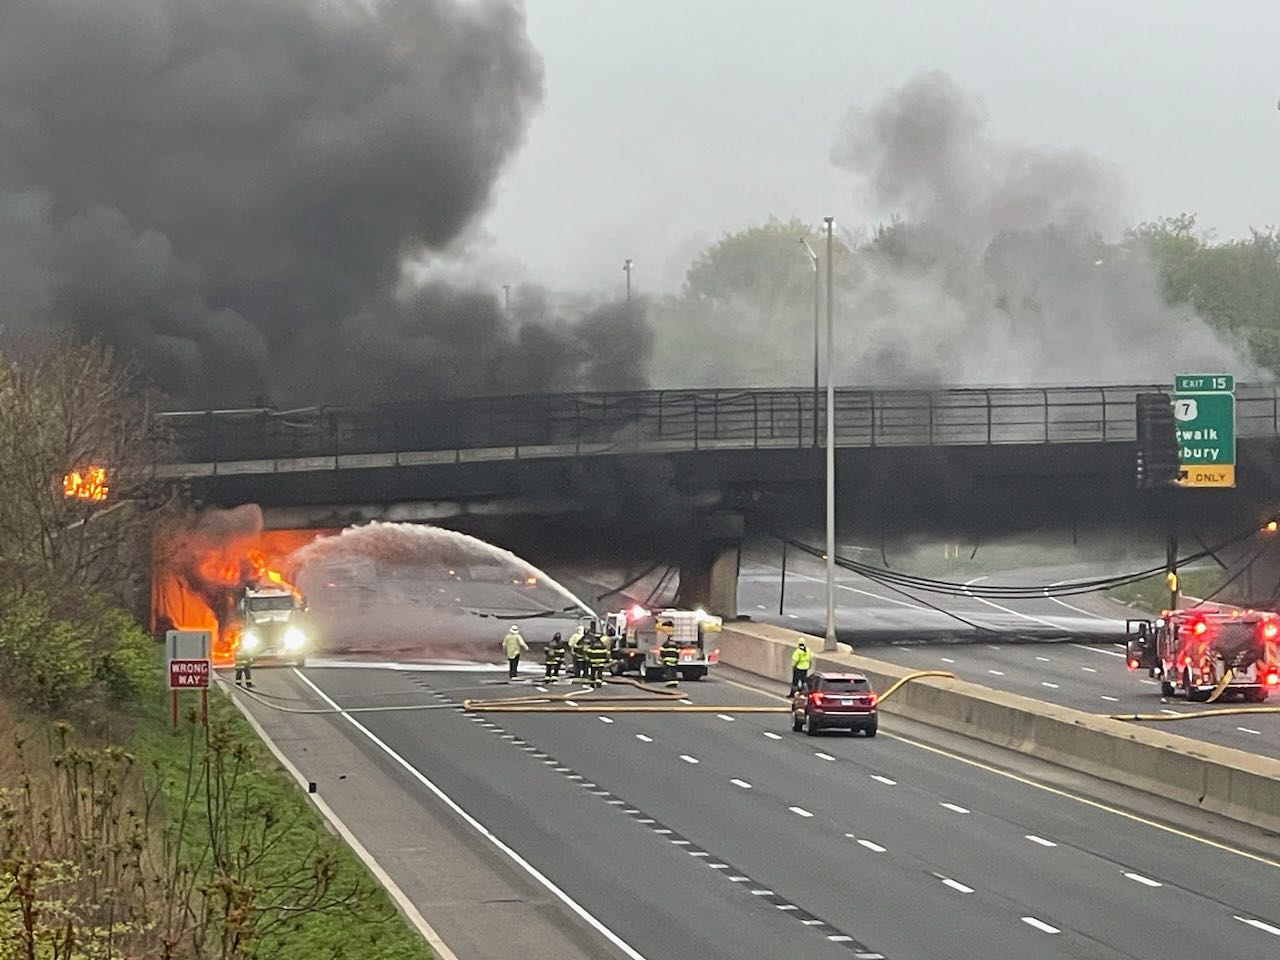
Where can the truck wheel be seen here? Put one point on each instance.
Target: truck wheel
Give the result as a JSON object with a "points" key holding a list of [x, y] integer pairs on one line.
{"points": [[1193, 695], [810, 727], [615, 668], [871, 730], [797, 724], [1166, 688]]}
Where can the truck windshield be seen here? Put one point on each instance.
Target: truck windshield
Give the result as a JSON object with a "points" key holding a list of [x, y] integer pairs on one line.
{"points": [[259, 604]]}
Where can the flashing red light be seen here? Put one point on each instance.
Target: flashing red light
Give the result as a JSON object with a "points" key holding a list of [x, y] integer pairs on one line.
{"points": [[715, 655], [1273, 679], [1200, 628], [1133, 664], [1270, 630], [870, 699], [638, 612]]}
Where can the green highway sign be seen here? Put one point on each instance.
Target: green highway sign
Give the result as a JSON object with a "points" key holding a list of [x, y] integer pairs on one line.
{"points": [[1204, 412], [1204, 383]]}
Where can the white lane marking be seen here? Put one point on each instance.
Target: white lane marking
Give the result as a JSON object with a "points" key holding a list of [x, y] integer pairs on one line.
{"points": [[646, 821], [953, 807], [1109, 653], [617, 803], [787, 906], [1010, 610], [885, 780], [873, 847], [1152, 682], [772, 736], [955, 885], [812, 923], [681, 843], [1044, 659], [1110, 699], [762, 893], [1172, 713], [542, 689], [761, 606], [1258, 924], [739, 879], [1145, 881], [947, 660], [1046, 683], [1040, 925], [1040, 840], [699, 853], [549, 763], [718, 866], [632, 810], [800, 811], [688, 759], [476, 825], [740, 783], [725, 716], [996, 673], [687, 702], [840, 938], [571, 703], [606, 720], [1088, 670], [1256, 733], [643, 739], [883, 598], [664, 832], [824, 756], [793, 616], [576, 776], [1072, 606]]}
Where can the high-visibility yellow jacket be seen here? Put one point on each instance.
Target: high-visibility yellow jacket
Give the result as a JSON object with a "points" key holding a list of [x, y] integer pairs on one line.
{"points": [[801, 659], [669, 652], [512, 644]]}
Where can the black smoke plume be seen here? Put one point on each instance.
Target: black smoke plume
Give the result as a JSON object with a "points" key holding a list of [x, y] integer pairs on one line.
{"points": [[229, 188]]}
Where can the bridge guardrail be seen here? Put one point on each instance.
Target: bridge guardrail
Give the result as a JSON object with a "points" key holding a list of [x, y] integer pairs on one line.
{"points": [[692, 420]]}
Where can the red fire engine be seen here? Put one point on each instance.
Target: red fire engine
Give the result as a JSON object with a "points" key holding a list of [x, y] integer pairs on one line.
{"points": [[1193, 652]]}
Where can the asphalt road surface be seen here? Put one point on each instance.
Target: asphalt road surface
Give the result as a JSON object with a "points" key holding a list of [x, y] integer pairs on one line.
{"points": [[1078, 664], [719, 837]]}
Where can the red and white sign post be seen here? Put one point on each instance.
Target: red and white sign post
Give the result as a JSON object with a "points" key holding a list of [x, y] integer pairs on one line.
{"points": [[189, 668]]}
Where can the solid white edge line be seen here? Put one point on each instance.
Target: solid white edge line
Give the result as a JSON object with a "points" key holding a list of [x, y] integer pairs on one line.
{"points": [[398, 896], [479, 827]]}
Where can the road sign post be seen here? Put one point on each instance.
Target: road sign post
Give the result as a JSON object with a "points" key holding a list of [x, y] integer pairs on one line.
{"points": [[187, 656], [1204, 410]]}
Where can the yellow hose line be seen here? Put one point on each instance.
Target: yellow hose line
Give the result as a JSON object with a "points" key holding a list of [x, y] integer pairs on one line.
{"points": [[1222, 684], [1220, 712], [914, 676], [550, 703]]}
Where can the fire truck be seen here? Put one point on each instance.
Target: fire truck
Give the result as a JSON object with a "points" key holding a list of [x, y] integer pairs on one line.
{"points": [[638, 634], [1193, 652]]}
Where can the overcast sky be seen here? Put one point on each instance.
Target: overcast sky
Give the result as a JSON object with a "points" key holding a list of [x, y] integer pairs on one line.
{"points": [[669, 122]]}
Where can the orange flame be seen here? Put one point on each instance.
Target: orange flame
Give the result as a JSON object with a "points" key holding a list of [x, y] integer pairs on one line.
{"points": [[91, 484]]}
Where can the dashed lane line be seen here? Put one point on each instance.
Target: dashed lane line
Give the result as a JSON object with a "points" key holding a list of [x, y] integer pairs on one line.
{"points": [[953, 807], [1040, 925], [1145, 881], [1040, 840], [1260, 925], [885, 780]]}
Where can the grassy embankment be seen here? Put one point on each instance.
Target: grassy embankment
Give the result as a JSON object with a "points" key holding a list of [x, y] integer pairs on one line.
{"points": [[216, 819], [1152, 594]]}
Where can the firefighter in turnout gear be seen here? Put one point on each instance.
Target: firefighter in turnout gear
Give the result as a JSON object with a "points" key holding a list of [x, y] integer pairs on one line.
{"points": [[554, 658], [669, 652], [597, 654], [576, 640]]}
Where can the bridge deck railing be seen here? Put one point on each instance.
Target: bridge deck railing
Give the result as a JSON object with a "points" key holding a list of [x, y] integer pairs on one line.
{"points": [[692, 420]]}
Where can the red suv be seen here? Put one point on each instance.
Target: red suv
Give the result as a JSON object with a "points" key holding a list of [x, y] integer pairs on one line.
{"points": [[843, 700]]}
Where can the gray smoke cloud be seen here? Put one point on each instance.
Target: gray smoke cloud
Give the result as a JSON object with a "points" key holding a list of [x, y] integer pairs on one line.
{"points": [[229, 189], [1004, 265]]}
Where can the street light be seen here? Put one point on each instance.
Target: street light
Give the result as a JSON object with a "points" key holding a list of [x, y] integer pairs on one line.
{"points": [[626, 268], [829, 643], [813, 257]]}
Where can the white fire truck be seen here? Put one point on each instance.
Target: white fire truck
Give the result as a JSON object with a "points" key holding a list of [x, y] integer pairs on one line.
{"points": [[1192, 651], [271, 626], [638, 634]]}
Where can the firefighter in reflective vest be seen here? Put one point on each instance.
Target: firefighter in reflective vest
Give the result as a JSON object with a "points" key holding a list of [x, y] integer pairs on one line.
{"points": [[669, 653], [597, 658], [554, 658], [801, 661], [576, 639]]}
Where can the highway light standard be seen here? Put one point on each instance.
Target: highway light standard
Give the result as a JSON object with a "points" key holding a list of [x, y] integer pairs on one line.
{"points": [[813, 257], [626, 268], [829, 643]]}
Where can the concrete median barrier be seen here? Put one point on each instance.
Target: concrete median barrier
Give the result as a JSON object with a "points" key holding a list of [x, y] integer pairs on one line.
{"points": [[1233, 783]]}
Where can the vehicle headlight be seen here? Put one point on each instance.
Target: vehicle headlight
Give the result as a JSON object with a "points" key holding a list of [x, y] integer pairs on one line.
{"points": [[294, 639], [249, 640]]}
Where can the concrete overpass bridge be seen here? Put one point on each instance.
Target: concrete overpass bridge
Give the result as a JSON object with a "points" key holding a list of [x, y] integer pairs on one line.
{"points": [[703, 465]]}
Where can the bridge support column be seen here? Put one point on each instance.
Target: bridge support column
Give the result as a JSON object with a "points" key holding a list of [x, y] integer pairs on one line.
{"points": [[709, 575]]}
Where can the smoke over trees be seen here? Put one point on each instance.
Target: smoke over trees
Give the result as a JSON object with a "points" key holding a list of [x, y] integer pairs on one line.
{"points": [[999, 263], [228, 190]]}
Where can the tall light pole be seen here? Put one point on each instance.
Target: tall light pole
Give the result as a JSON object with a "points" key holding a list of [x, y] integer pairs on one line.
{"points": [[813, 257], [626, 268], [829, 643], [506, 297]]}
